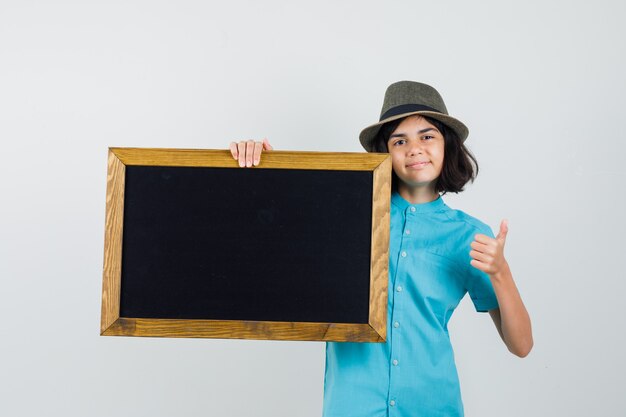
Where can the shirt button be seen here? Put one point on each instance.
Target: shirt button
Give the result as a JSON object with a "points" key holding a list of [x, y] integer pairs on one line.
{"points": [[396, 324], [395, 362], [403, 254], [399, 288], [412, 209], [392, 403], [407, 231]]}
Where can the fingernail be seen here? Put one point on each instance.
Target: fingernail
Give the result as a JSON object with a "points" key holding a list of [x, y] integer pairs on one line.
{"points": [[256, 162], [248, 163], [241, 164]]}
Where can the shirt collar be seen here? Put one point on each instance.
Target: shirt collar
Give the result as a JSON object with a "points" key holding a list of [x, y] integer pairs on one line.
{"points": [[402, 204]]}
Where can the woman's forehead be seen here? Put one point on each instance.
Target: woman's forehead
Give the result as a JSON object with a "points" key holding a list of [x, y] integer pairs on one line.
{"points": [[415, 121]]}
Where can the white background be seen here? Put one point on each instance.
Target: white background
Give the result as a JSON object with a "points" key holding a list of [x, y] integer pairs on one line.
{"points": [[540, 84]]}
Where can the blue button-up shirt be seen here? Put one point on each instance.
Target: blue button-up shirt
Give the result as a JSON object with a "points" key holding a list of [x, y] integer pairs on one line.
{"points": [[413, 373]]}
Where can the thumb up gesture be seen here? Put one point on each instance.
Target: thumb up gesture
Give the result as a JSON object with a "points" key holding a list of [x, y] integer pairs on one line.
{"points": [[488, 254]]}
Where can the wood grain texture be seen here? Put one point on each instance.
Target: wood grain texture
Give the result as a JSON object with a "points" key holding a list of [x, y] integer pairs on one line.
{"points": [[379, 265], [270, 159], [237, 329], [112, 269]]}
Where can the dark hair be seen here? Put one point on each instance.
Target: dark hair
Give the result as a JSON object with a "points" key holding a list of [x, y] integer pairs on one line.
{"points": [[459, 165]]}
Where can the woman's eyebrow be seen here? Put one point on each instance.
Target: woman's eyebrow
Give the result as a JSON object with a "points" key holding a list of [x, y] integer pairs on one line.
{"points": [[397, 135], [419, 132]]}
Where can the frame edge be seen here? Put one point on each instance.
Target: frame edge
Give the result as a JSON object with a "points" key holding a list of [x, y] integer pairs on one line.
{"points": [[379, 277], [112, 264], [243, 329]]}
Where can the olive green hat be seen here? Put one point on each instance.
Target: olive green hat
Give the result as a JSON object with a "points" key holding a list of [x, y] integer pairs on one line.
{"points": [[406, 98]]}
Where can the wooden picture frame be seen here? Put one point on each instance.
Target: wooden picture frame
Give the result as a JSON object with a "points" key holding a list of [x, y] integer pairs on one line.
{"points": [[112, 324]]}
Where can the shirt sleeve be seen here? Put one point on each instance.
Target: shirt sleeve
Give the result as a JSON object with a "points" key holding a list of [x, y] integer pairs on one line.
{"points": [[478, 283]]}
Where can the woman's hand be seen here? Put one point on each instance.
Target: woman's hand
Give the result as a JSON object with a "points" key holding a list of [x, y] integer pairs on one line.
{"points": [[488, 253], [249, 152]]}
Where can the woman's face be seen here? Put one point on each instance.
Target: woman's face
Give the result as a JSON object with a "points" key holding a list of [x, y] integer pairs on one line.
{"points": [[416, 148]]}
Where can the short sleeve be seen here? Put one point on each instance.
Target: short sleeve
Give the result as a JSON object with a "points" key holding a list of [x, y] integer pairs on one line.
{"points": [[478, 283]]}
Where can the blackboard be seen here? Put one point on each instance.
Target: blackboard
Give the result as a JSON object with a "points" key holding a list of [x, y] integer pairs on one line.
{"points": [[286, 250]]}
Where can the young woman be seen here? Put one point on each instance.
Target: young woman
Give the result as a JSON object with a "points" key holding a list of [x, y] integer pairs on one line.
{"points": [[436, 256]]}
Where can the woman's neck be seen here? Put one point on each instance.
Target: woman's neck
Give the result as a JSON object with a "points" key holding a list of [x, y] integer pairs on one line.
{"points": [[417, 195]]}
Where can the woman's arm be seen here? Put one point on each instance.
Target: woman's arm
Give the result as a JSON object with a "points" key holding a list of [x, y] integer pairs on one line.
{"points": [[511, 318]]}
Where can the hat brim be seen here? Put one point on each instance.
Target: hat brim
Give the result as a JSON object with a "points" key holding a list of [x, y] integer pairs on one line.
{"points": [[368, 135]]}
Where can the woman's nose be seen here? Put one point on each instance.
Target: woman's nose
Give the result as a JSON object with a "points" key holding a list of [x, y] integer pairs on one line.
{"points": [[415, 148]]}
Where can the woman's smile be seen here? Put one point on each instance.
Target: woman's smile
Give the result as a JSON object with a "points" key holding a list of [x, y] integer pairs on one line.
{"points": [[417, 164]]}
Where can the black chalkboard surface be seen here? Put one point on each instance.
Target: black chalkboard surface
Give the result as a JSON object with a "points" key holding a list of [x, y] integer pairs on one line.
{"points": [[246, 244], [207, 250]]}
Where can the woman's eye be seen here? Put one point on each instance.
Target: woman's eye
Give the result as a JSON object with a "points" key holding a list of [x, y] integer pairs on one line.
{"points": [[428, 137], [399, 142]]}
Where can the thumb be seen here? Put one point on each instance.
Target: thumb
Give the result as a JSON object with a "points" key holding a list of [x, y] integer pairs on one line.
{"points": [[266, 145], [504, 229]]}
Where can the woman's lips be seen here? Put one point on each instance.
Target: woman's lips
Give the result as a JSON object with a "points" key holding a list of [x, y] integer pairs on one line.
{"points": [[418, 165]]}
